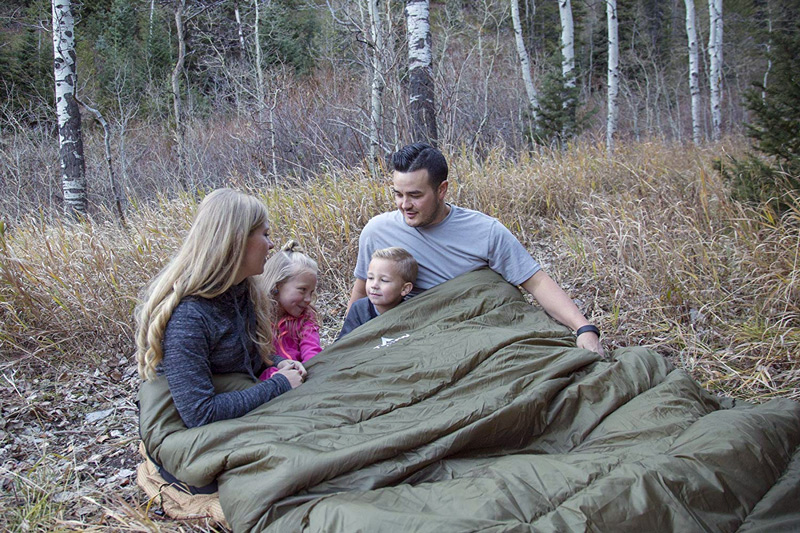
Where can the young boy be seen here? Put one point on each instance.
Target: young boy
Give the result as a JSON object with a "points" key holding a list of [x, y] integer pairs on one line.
{"points": [[390, 277]]}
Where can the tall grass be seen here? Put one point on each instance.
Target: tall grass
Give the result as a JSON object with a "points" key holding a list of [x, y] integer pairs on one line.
{"points": [[648, 242]]}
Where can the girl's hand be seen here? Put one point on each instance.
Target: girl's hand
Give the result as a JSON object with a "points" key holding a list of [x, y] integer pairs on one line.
{"points": [[293, 375], [297, 365]]}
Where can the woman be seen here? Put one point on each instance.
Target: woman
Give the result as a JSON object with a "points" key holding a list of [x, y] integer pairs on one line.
{"points": [[202, 315]]}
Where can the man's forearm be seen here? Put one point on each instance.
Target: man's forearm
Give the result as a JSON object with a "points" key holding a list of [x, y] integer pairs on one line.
{"points": [[554, 300], [561, 307]]}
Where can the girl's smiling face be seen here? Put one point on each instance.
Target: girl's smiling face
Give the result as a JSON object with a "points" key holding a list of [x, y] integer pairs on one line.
{"points": [[295, 294]]}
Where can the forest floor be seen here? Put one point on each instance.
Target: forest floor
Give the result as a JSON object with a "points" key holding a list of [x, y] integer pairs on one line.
{"points": [[69, 441]]}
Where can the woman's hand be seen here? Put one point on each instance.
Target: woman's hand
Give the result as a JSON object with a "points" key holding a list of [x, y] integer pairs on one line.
{"points": [[293, 375], [297, 365]]}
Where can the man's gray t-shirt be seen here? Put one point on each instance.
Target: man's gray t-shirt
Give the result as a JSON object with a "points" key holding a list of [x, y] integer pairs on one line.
{"points": [[464, 241]]}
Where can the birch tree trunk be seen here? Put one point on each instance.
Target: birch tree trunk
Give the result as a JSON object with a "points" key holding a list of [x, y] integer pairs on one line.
{"points": [[150, 24], [261, 92], [715, 61], [420, 72], [567, 43], [769, 54], [239, 27], [376, 106], [180, 6], [613, 74], [694, 70], [70, 140], [525, 65]]}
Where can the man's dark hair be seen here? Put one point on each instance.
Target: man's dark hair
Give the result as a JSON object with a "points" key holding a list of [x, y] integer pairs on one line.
{"points": [[421, 155]]}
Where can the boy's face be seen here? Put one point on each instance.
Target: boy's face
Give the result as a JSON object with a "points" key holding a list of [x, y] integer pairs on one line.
{"points": [[385, 287]]}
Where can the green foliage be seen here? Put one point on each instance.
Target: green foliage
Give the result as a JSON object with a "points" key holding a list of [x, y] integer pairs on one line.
{"points": [[287, 33], [123, 61], [559, 117], [774, 128], [26, 63]]}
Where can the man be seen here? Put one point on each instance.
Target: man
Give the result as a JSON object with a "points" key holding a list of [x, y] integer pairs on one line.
{"points": [[448, 240]]}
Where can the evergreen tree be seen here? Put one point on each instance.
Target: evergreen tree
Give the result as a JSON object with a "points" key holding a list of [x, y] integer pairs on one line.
{"points": [[30, 79], [287, 34], [774, 128], [558, 122]]}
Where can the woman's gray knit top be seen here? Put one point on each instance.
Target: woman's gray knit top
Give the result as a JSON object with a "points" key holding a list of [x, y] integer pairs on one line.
{"points": [[207, 336]]}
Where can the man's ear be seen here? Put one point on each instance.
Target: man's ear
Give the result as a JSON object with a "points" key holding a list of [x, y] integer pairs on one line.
{"points": [[407, 286], [442, 189]]}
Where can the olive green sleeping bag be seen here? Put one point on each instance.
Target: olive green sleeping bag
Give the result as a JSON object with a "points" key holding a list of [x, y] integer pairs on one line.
{"points": [[467, 409]]}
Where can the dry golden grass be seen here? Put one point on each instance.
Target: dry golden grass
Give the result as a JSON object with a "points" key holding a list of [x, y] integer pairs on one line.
{"points": [[648, 242]]}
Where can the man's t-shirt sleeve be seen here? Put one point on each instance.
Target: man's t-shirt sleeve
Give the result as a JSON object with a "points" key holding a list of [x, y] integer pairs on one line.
{"points": [[508, 257]]}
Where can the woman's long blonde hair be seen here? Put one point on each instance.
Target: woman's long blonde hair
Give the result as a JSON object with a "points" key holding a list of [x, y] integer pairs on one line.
{"points": [[206, 265]]}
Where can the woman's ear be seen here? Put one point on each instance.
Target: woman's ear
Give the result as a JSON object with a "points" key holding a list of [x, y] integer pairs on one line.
{"points": [[407, 286]]}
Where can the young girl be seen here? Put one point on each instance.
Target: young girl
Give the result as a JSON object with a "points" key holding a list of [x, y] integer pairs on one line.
{"points": [[290, 278], [203, 315]]}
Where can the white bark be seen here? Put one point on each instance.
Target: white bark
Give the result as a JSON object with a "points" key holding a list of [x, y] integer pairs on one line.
{"points": [[769, 53], [257, 49], [239, 27], [525, 64], [261, 91], [420, 71], [694, 70], [567, 43], [150, 24], [419, 34], [715, 60], [613, 73], [70, 140], [376, 105]]}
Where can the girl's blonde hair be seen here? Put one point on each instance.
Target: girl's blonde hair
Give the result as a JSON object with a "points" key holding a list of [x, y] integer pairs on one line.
{"points": [[206, 265], [283, 265]]}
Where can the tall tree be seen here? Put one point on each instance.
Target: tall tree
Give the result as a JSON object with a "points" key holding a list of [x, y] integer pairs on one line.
{"points": [[261, 89], [694, 73], [715, 62], [775, 120], [567, 43], [768, 48], [70, 139], [569, 102], [613, 73], [239, 29], [525, 65], [420, 71], [177, 71], [376, 101]]}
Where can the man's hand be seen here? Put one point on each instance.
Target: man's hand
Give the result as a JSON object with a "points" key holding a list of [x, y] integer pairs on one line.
{"points": [[561, 307], [590, 341]]}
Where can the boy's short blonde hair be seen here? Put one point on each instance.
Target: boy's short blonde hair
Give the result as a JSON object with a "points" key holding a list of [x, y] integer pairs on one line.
{"points": [[407, 266]]}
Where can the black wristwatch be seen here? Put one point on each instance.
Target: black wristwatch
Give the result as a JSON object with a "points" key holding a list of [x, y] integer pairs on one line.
{"points": [[587, 327]]}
